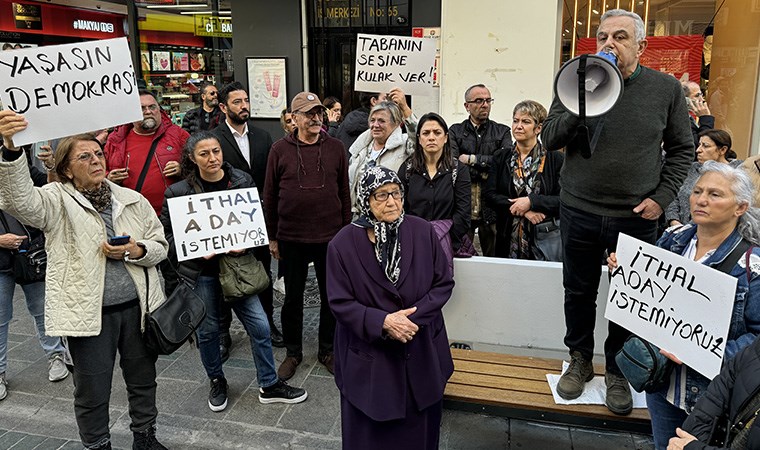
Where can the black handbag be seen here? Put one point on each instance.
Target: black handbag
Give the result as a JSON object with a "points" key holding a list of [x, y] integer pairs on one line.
{"points": [[30, 263], [547, 245], [170, 325]]}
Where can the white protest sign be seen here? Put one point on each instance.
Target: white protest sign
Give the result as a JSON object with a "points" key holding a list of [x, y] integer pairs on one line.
{"points": [[677, 304], [384, 62], [217, 222], [68, 89]]}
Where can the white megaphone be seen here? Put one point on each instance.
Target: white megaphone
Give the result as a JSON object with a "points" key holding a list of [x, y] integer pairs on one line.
{"points": [[589, 85]]}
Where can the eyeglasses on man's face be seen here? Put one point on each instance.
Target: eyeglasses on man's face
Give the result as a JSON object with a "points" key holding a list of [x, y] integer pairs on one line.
{"points": [[383, 196], [480, 101], [86, 157], [153, 107]]}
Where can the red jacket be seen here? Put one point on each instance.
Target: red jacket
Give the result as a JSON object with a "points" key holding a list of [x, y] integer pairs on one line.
{"points": [[171, 141]]}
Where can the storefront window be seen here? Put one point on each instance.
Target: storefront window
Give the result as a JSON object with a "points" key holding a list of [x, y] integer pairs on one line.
{"points": [[713, 43]]}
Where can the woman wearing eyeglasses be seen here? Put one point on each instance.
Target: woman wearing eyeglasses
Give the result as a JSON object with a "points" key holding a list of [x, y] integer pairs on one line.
{"points": [[95, 292], [389, 280], [385, 143]]}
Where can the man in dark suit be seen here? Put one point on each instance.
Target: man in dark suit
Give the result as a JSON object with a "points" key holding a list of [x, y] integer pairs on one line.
{"points": [[247, 148]]}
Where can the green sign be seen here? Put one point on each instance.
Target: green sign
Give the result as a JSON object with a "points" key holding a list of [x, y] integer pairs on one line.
{"points": [[213, 26]]}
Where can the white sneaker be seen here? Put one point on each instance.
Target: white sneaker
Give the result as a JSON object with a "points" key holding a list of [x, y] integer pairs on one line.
{"points": [[3, 386], [279, 285], [57, 370]]}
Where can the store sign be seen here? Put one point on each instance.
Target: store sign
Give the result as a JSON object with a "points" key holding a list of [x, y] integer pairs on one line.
{"points": [[356, 13], [27, 17], [72, 88], [680, 56], [213, 26], [92, 25]]}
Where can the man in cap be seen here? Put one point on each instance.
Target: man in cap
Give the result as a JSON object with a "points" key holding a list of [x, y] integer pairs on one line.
{"points": [[306, 202]]}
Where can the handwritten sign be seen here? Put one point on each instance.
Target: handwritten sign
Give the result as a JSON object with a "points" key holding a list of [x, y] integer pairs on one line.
{"points": [[68, 89], [383, 62], [217, 222], [675, 303]]}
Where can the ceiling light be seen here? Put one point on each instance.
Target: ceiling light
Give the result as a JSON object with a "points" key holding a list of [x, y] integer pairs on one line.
{"points": [[595, 11]]}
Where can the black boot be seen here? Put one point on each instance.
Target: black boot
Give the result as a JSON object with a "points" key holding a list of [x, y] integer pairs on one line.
{"points": [[276, 336], [146, 440], [225, 343]]}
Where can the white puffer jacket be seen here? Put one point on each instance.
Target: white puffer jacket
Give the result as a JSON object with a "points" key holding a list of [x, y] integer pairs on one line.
{"points": [[398, 148], [74, 231]]}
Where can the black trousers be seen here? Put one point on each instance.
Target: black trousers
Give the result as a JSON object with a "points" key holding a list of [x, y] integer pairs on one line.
{"points": [[297, 257], [94, 358], [585, 238], [266, 297]]}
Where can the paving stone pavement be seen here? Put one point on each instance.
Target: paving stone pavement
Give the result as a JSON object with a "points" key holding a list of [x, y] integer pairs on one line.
{"points": [[38, 414]]}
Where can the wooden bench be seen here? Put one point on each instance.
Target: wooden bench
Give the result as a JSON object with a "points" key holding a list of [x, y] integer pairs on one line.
{"points": [[516, 386]]}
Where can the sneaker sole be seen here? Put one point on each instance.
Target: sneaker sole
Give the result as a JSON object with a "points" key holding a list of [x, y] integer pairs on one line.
{"points": [[59, 378], [573, 395], [290, 401], [217, 408]]}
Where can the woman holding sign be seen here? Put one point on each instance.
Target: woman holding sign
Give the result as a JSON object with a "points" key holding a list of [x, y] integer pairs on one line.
{"points": [[723, 220], [205, 171], [385, 143], [96, 286]]}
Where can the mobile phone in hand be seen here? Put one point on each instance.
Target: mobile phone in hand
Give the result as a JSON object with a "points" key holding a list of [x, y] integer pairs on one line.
{"points": [[118, 240]]}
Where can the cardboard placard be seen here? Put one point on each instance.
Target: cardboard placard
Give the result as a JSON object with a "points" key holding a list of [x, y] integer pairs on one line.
{"points": [[93, 82], [677, 304], [217, 222], [386, 61]]}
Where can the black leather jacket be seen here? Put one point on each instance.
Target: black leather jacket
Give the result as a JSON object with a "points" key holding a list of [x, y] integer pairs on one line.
{"points": [[192, 120], [737, 384]]}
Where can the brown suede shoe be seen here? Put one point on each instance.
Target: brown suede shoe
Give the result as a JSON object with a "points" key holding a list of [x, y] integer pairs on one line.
{"points": [[288, 368], [329, 361]]}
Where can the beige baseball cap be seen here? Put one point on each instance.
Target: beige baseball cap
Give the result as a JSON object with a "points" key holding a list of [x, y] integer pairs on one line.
{"points": [[305, 101]]}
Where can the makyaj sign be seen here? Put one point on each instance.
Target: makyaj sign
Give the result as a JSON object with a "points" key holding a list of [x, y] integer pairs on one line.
{"points": [[217, 222], [71, 88], [677, 304], [383, 62]]}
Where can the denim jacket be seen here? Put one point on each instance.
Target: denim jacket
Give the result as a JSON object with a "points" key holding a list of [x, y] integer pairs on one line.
{"points": [[745, 318]]}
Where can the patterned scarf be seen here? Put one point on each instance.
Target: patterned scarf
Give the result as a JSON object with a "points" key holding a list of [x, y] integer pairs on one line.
{"points": [[526, 181], [99, 197], [387, 242]]}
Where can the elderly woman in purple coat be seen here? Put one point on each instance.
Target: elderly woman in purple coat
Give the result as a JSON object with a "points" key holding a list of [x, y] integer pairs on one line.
{"points": [[388, 279]]}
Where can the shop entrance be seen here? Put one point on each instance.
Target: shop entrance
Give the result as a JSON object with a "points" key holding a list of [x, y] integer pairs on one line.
{"points": [[334, 25]]}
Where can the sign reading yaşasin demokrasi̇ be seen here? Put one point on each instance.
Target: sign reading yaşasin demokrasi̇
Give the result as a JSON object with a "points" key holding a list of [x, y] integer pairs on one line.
{"points": [[677, 304], [93, 82], [217, 222], [386, 61]]}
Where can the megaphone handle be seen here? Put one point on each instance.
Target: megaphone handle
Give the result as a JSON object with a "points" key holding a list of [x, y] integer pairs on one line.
{"points": [[581, 71]]}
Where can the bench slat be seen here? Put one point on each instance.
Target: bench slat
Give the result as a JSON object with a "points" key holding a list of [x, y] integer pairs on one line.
{"points": [[518, 382]]}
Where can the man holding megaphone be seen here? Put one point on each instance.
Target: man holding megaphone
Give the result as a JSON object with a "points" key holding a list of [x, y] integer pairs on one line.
{"points": [[613, 180]]}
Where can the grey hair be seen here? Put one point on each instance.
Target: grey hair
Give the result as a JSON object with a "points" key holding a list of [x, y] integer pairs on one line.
{"points": [[687, 85], [743, 190], [393, 110], [469, 89], [638, 24]]}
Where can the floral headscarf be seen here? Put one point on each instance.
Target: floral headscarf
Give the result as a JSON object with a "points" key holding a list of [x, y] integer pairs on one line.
{"points": [[387, 242]]}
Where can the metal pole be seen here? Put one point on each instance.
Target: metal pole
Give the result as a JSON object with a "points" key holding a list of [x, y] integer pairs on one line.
{"points": [[134, 38], [215, 44]]}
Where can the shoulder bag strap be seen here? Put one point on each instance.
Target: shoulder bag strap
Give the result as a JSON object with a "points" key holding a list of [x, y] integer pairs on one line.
{"points": [[145, 168], [746, 263], [5, 222], [730, 260], [147, 291]]}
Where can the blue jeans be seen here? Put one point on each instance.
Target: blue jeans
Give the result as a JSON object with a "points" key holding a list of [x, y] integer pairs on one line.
{"points": [[665, 419], [585, 238], [35, 303], [256, 324]]}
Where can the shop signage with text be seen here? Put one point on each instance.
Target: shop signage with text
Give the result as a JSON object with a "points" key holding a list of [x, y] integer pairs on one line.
{"points": [[213, 26]]}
